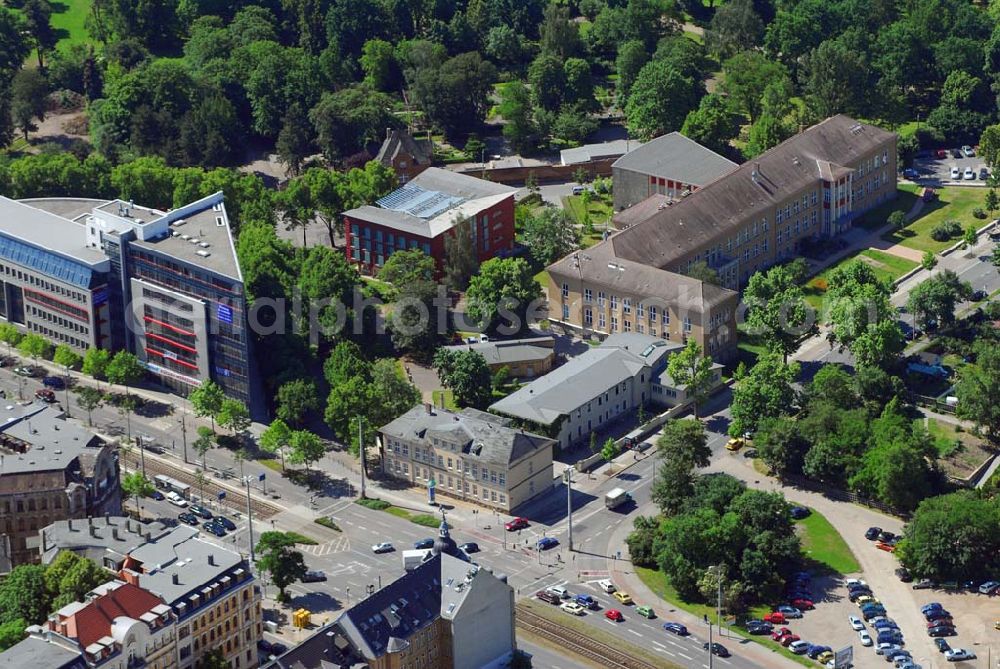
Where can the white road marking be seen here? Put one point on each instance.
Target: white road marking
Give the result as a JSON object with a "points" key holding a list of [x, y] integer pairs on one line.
{"points": [[686, 657], [636, 633], [658, 645]]}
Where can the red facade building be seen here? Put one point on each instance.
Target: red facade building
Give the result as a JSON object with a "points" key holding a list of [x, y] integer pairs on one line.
{"points": [[422, 213]]}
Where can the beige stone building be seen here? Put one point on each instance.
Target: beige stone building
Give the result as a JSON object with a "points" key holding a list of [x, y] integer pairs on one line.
{"points": [[50, 470], [812, 186], [471, 455], [214, 597]]}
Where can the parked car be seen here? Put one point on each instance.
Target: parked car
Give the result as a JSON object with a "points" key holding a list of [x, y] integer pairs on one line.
{"points": [[645, 611], [956, 153], [750, 453], [559, 591], [984, 173], [212, 528], [856, 623], [886, 536], [313, 576], [885, 546], [799, 647], [24, 371], [614, 615], [623, 597], [759, 627], [45, 395], [935, 614], [923, 584], [157, 495], [865, 637], [574, 608], [815, 650], [775, 618], [735, 444], [857, 582], [989, 588], [383, 547], [933, 606], [587, 601], [423, 544], [780, 633], [959, 654], [898, 657], [942, 645], [799, 512], [889, 636], [789, 639], [790, 611], [675, 628], [880, 624], [717, 649], [824, 657], [278, 649], [910, 173], [545, 543], [873, 613], [938, 622], [226, 523], [188, 518], [470, 547], [54, 382], [265, 646], [968, 151], [803, 604], [969, 174], [176, 499], [941, 630], [516, 524], [903, 574], [855, 595], [884, 648], [606, 585], [871, 534], [549, 597], [198, 509], [955, 174]]}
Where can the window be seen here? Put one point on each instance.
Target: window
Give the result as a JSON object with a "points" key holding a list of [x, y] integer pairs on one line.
{"points": [[565, 312], [614, 323], [614, 302], [628, 325], [600, 298], [640, 310], [588, 316], [627, 305], [652, 314], [601, 322], [687, 324], [666, 317], [588, 294], [565, 290]]}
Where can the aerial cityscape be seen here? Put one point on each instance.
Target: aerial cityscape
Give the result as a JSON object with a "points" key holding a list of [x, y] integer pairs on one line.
{"points": [[486, 334]]}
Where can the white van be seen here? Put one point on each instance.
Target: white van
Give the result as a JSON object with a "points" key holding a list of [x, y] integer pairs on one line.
{"points": [[607, 586], [559, 590]]}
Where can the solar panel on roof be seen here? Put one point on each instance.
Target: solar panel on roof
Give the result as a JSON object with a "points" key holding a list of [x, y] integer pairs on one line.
{"points": [[419, 202]]}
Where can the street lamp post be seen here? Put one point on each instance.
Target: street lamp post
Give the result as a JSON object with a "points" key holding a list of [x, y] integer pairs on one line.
{"points": [[718, 607], [184, 436], [361, 449], [142, 455], [246, 482], [568, 479]]}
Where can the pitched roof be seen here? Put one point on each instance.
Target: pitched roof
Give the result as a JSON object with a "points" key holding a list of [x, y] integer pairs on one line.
{"points": [[676, 157], [586, 376], [603, 150], [820, 152], [599, 266], [401, 141], [511, 351], [36, 652], [641, 210], [95, 619], [488, 441]]}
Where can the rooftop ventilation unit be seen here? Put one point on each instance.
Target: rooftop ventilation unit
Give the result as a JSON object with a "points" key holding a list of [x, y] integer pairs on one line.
{"points": [[179, 222], [194, 240], [185, 237], [219, 221], [203, 254], [203, 245]]}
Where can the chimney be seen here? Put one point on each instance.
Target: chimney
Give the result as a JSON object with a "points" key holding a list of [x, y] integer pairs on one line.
{"points": [[429, 408], [114, 533], [211, 559], [90, 520], [107, 518], [175, 579], [93, 530], [69, 524]]}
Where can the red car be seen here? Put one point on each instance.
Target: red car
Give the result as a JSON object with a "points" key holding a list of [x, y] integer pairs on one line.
{"points": [[882, 546], [941, 153], [781, 633], [803, 604], [788, 639], [775, 618], [516, 524], [615, 615]]}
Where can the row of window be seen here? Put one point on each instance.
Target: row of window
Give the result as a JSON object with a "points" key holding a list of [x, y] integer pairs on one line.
{"points": [[38, 282], [451, 483], [446, 463], [55, 319], [58, 336]]}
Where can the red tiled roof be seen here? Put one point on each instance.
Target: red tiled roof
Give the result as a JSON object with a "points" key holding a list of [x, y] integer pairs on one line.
{"points": [[94, 620]]}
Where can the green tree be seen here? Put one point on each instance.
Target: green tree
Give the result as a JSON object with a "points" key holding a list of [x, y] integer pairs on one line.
{"points": [[766, 133], [779, 445], [692, 371], [460, 259], [345, 362], [833, 385], [834, 80], [125, 369], [66, 357], [978, 383], [234, 416], [14, 46], [11, 632], [894, 473], [989, 146], [136, 486], [204, 442], [295, 140], [405, 267], [88, 399], [35, 346], [206, 400], [504, 288], [560, 35], [214, 659], [550, 235], [660, 100], [682, 446], [95, 363], [934, 299], [777, 310], [378, 62], [27, 99], [548, 81], [346, 402], [467, 375], [38, 20], [632, 56], [275, 439], [928, 260], [347, 119], [277, 556], [713, 124], [305, 448], [765, 392], [417, 324], [610, 450], [735, 27], [701, 271], [518, 111], [992, 202], [455, 96], [748, 74], [23, 595], [965, 514], [295, 399], [10, 335]]}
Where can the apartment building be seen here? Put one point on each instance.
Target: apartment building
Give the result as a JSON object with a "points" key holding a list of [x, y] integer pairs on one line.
{"points": [[425, 211], [106, 540], [113, 275], [599, 387], [50, 470], [671, 165], [471, 455], [212, 594], [813, 185], [444, 614]]}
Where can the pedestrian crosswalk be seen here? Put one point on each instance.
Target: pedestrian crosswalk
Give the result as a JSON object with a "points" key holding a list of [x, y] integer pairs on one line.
{"points": [[338, 545]]}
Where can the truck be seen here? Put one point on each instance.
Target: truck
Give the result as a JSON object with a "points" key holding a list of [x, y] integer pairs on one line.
{"points": [[413, 558], [616, 498]]}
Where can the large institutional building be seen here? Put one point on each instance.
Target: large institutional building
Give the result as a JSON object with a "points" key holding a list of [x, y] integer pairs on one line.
{"points": [[114, 275], [50, 470], [813, 185]]}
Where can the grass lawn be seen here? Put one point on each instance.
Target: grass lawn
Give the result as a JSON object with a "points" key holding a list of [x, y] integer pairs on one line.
{"points": [[542, 278], [943, 434], [953, 203], [599, 209], [887, 266], [656, 581], [822, 544], [876, 218], [69, 19], [271, 463], [449, 399]]}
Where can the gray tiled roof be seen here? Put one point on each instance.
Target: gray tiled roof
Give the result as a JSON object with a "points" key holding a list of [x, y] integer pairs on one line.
{"points": [[713, 212], [398, 141], [37, 653], [584, 377], [674, 156], [511, 351], [488, 441], [589, 152], [95, 537], [54, 442]]}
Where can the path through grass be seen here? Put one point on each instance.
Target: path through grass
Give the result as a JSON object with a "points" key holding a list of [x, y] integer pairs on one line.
{"points": [[953, 203]]}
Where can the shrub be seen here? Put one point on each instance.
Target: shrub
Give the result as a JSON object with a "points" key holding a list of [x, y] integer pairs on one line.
{"points": [[942, 232], [376, 504], [301, 539], [327, 522], [897, 219], [928, 261], [426, 519], [978, 212]]}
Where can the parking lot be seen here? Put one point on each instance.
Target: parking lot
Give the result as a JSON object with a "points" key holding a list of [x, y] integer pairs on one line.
{"points": [[935, 169]]}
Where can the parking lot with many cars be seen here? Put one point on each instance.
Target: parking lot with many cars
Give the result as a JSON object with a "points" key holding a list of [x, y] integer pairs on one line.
{"points": [[951, 165]]}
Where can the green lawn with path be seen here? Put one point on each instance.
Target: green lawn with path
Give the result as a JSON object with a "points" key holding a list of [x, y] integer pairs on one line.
{"points": [[887, 266], [599, 209], [906, 196], [953, 203], [822, 544]]}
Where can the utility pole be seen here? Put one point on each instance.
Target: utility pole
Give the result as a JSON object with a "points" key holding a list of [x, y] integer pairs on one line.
{"points": [[568, 480], [142, 455], [184, 436], [246, 482], [710, 653], [361, 448]]}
